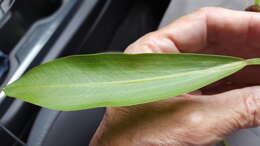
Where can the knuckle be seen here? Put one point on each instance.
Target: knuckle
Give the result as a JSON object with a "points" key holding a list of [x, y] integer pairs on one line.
{"points": [[146, 44], [149, 43], [148, 39]]}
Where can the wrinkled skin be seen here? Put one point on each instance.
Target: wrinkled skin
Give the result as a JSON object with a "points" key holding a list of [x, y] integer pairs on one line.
{"points": [[204, 117]]}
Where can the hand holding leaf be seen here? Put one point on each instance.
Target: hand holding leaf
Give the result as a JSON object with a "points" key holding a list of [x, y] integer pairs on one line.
{"points": [[221, 114], [193, 119]]}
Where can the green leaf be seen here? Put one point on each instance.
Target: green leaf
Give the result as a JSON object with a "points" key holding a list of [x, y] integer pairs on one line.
{"points": [[101, 80]]}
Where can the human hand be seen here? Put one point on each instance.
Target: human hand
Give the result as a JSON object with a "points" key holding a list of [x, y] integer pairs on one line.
{"points": [[193, 119]]}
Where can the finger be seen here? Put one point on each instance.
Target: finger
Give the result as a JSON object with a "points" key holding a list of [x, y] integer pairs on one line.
{"points": [[203, 28], [152, 43], [240, 107], [172, 38]]}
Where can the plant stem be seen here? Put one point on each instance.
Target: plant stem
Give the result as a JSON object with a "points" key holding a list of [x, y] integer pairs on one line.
{"points": [[254, 61], [257, 2]]}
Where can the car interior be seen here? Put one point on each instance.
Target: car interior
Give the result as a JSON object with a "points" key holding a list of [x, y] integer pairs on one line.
{"points": [[34, 32]]}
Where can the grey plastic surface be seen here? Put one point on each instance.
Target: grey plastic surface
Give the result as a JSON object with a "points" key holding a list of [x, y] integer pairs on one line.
{"points": [[5, 6], [53, 128], [178, 8]]}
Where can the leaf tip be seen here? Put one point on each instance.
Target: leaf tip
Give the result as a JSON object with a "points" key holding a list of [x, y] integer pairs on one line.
{"points": [[5, 90]]}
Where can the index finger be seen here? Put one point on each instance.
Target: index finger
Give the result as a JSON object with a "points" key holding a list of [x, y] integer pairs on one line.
{"points": [[203, 28]]}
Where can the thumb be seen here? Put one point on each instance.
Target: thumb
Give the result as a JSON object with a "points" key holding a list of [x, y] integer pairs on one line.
{"points": [[240, 108]]}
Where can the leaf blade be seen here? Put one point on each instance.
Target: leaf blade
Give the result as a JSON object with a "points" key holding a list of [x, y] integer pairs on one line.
{"points": [[119, 79]]}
